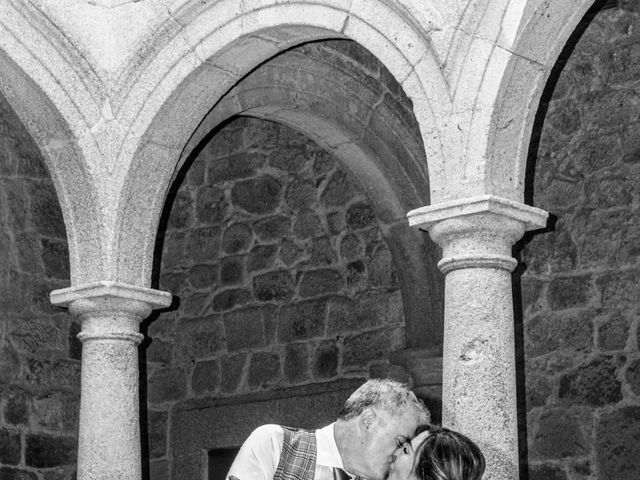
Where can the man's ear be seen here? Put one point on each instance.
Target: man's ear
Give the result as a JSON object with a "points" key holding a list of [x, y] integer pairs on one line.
{"points": [[368, 420]]}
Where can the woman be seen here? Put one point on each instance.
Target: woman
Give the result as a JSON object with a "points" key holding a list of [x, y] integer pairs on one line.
{"points": [[437, 453]]}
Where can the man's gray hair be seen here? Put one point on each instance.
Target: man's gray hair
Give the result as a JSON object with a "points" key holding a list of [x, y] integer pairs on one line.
{"points": [[393, 397]]}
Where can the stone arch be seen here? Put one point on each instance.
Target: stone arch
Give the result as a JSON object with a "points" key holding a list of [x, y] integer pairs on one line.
{"points": [[36, 62], [384, 156], [192, 72], [539, 42]]}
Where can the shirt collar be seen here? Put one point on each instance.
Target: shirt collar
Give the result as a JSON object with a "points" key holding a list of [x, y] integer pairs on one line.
{"points": [[328, 454]]}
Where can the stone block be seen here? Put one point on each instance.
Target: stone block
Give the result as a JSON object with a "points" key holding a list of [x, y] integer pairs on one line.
{"points": [[199, 338], [232, 371], [231, 298], [302, 321], [262, 257], [232, 271], [202, 277], [351, 247], [202, 245], [157, 425], [376, 345], [381, 268], [196, 173], [321, 252], [16, 410], [182, 210], [206, 377], [320, 282], [323, 163], [594, 384], [211, 205], [244, 329], [290, 253], [296, 363], [37, 334], [617, 440], [264, 370], [272, 228], [356, 276], [569, 292], [234, 167], [16, 205], [619, 288], [159, 351], [16, 293], [326, 359], [174, 250], [8, 473], [65, 373], [554, 331], [167, 385], [237, 238], [598, 152], [288, 159], [335, 222], [261, 134], [44, 451], [273, 286], [551, 253], [10, 447], [359, 216], [301, 194], [47, 412], [364, 313], [29, 251], [560, 434], [613, 332], [226, 142], [259, 195], [194, 305], [307, 225], [159, 470]]}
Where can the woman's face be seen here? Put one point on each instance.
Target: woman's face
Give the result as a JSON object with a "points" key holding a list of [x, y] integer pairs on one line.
{"points": [[405, 456]]}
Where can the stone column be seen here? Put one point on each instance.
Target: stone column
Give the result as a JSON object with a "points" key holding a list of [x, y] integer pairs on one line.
{"points": [[479, 384], [109, 431]]}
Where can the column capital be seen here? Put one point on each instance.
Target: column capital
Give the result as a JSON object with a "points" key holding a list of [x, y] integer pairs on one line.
{"points": [[424, 217], [110, 310], [477, 232]]}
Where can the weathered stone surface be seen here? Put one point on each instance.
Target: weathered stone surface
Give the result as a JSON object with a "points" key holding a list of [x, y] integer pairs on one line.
{"points": [[307, 225], [367, 312], [273, 286], [9, 447], [199, 338], [167, 385], [546, 472], [320, 282], [157, 431], [335, 222], [594, 384], [232, 270], [228, 299], [16, 409], [296, 362], [244, 329], [552, 331], [360, 215], [325, 360], [232, 367], [203, 245], [29, 253], [237, 238], [290, 160], [301, 321], [45, 209], [560, 434], [618, 437], [375, 345], [182, 211], [290, 253], [632, 376], [613, 332], [272, 228], [339, 190], [35, 334], [194, 304], [262, 257], [8, 473], [351, 247], [301, 195], [569, 292], [257, 195], [619, 288], [206, 377], [159, 470], [43, 451], [203, 276], [381, 268], [211, 205], [322, 252], [264, 369], [234, 167]]}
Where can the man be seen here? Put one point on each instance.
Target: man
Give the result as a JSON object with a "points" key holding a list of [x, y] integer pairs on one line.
{"points": [[377, 418]]}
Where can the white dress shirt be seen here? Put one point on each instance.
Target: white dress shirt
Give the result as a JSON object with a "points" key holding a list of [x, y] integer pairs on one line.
{"points": [[259, 455]]}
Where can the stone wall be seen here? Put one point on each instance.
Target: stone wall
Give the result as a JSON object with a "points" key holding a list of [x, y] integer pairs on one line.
{"points": [[581, 289], [39, 354], [282, 274]]}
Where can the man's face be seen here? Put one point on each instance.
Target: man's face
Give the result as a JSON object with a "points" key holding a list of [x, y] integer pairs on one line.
{"points": [[385, 436]]}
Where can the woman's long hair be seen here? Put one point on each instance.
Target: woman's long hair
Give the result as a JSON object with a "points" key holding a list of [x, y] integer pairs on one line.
{"points": [[448, 455]]}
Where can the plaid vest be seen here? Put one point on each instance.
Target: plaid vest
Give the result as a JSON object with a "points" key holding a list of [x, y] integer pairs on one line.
{"points": [[298, 457]]}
